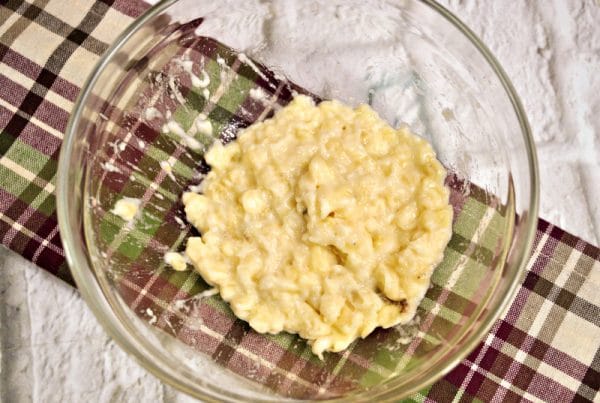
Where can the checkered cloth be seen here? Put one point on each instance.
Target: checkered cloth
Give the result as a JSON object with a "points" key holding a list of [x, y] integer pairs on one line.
{"points": [[546, 346]]}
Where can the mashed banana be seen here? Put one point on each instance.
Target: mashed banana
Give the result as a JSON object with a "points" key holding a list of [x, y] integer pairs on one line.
{"points": [[322, 221]]}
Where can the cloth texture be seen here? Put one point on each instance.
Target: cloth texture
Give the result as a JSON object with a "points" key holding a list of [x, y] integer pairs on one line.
{"points": [[545, 346]]}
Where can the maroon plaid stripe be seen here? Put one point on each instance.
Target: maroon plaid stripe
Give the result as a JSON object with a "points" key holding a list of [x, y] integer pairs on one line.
{"points": [[32, 70], [129, 7]]}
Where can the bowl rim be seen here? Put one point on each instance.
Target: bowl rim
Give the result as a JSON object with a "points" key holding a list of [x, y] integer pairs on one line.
{"points": [[90, 291]]}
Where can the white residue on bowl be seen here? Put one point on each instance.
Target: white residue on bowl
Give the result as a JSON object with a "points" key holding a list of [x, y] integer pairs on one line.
{"points": [[184, 305], [109, 167], [175, 90], [203, 125], [258, 94], [185, 63], [115, 146], [200, 83], [126, 208], [167, 166], [151, 113], [133, 166], [152, 316], [175, 128], [192, 308], [207, 293], [180, 222], [405, 334], [187, 66]]}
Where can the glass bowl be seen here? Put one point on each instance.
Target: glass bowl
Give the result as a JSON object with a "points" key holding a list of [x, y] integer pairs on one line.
{"points": [[412, 61]]}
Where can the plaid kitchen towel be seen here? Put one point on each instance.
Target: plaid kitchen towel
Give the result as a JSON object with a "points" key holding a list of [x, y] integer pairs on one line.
{"points": [[47, 49], [545, 346]]}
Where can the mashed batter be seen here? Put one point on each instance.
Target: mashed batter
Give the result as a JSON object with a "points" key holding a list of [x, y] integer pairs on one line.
{"points": [[322, 221]]}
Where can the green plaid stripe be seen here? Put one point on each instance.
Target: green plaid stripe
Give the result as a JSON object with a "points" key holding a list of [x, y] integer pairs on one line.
{"points": [[528, 355]]}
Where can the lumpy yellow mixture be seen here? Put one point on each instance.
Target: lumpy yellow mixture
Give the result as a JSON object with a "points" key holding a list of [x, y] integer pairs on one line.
{"points": [[322, 221]]}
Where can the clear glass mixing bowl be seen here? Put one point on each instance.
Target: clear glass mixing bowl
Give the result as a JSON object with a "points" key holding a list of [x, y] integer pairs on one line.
{"points": [[413, 61]]}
